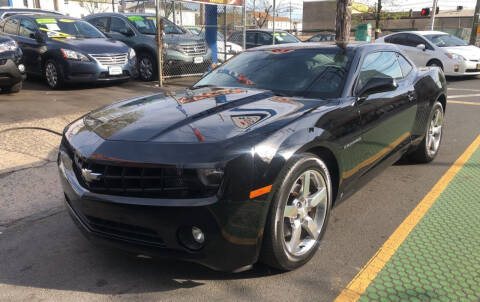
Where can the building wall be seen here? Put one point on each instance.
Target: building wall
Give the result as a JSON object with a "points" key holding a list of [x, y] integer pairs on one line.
{"points": [[319, 15], [74, 8]]}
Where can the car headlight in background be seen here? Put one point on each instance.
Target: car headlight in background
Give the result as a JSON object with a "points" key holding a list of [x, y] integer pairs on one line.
{"points": [[172, 47], [74, 55], [131, 53], [455, 56], [8, 46]]}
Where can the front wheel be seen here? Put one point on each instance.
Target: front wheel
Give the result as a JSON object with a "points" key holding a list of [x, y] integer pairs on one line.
{"points": [[428, 148], [146, 67], [53, 75], [299, 214]]}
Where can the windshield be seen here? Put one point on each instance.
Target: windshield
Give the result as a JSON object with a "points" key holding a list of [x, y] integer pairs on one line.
{"points": [[68, 28], [148, 25], [281, 38], [445, 40], [285, 71]]}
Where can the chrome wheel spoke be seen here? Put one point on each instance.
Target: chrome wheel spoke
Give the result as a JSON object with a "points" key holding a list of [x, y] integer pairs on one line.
{"points": [[311, 226], [290, 211], [437, 130], [295, 238], [306, 184], [319, 197]]}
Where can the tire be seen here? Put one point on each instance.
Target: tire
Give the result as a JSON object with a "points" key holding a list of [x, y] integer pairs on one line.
{"points": [[427, 150], [53, 74], [286, 215], [14, 88], [435, 63], [147, 67]]}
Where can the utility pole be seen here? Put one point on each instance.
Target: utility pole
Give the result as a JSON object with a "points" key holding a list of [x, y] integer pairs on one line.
{"points": [[473, 35], [290, 16], [113, 5], [343, 23], [377, 19], [159, 42], [273, 19], [435, 3]]}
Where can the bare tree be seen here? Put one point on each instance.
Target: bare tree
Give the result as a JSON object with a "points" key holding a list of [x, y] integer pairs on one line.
{"points": [[94, 6], [262, 11]]}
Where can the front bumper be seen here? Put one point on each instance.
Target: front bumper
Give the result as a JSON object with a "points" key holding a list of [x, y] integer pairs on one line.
{"points": [[462, 68], [9, 72], [152, 226], [174, 57], [77, 72]]}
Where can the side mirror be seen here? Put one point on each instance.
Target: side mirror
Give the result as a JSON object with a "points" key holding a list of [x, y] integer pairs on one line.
{"points": [[378, 85], [126, 32], [421, 47]]}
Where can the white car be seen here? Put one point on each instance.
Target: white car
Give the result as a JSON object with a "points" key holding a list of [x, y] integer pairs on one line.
{"points": [[436, 48]]}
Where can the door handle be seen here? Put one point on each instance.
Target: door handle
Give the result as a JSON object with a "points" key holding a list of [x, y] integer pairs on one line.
{"points": [[411, 96]]}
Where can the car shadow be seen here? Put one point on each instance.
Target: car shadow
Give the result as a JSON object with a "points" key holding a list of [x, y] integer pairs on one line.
{"points": [[51, 253], [461, 78]]}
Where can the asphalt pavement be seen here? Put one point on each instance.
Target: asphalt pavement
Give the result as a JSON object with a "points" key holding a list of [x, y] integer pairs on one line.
{"points": [[44, 257]]}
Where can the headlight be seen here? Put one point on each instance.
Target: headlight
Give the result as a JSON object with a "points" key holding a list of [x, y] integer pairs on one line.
{"points": [[74, 55], [8, 46], [210, 177], [132, 53], [172, 47], [455, 56]]}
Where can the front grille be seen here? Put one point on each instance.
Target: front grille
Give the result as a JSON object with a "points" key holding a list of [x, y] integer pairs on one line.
{"points": [[111, 60], [472, 70], [125, 231], [194, 49], [138, 180]]}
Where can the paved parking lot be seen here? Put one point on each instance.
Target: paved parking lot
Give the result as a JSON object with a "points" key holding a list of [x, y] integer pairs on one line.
{"points": [[44, 256]]}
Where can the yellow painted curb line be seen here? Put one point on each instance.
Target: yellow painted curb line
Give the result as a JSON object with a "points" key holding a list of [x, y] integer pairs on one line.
{"points": [[359, 284], [464, 103]]}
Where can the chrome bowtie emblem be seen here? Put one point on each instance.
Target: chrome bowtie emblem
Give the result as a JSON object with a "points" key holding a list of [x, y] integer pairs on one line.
{"points": [[90, 176]]}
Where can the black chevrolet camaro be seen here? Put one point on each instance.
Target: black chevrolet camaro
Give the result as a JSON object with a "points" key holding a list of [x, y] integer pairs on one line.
{"points": [[247, 164]]}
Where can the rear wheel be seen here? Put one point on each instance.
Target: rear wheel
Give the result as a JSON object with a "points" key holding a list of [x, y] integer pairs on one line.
{"points": [[299, 214], [428, 148], [53, 74], [147, 67], [435, 63]]}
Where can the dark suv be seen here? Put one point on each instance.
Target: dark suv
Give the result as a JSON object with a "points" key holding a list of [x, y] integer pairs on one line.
{"points": [[260, 37], [12, 71], [63, 49], [181, 48], [6, 12]]}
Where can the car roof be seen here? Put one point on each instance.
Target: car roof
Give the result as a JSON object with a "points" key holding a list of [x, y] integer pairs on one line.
{"points": [[422, 32], [54, 16], [355, 45]]}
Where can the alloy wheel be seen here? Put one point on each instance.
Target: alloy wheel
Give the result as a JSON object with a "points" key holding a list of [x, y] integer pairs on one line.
{"points": [[305, 212], [434, 133], [51, 74], [146, 68]]}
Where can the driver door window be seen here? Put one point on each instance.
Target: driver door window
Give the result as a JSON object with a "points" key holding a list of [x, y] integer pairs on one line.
{"points": [[100, 23], [379, 64], [117, 25], [264, 39], [27, 29]]}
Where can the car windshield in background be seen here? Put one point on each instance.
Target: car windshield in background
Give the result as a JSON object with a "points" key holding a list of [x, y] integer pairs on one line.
{"points": [[148, 25], [68, 28], [285, 71], [281, 38], [445, 40]]}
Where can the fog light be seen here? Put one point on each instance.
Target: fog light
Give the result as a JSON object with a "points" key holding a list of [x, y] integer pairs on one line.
{"points": [[456, 68], [198, 235], [21, 68]]}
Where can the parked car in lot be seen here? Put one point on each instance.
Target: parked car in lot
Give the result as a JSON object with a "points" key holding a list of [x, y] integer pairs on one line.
{"points": [[6, 12], [63, 49], [260, 37], [12, 70], [248, 163], [182, 49], [436, 48], [225, 49], [323, 37]]}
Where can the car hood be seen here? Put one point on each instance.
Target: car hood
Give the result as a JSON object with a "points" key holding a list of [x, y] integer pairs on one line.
{"points": [[95, 46], [183, 39], [469, 52], [200, 115]]}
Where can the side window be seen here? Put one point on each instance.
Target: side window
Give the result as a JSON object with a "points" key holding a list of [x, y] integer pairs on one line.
{"points": [[379, 64], [414, 40], [27, 29], [404, 65], [11, 26], [100, 23], [117, 25], [264, 39], [251, 37], [400, 39]]}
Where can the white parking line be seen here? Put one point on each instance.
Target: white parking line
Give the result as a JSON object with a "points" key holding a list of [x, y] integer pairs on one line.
{"points": [[464, 89], [463, 96]]}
